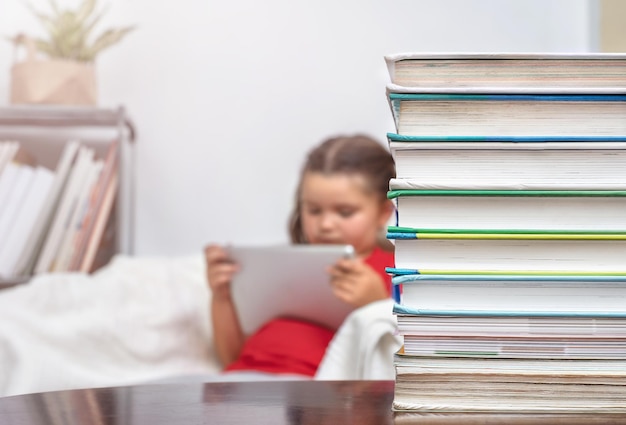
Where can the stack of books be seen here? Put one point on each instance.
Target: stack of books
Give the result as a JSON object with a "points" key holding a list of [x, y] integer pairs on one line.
{"points": [[55, 220], [510, 241]]}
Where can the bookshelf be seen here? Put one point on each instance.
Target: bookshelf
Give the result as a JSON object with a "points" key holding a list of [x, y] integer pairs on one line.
{"points": [[43, 131]]}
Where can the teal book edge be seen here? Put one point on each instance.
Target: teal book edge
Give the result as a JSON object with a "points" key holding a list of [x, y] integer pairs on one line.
{"points": [[393, 271], [505, 235], [417, 278], [404, 310], [394, 137], [398, 232], [508, 97], [402, 277], [392, 194]]}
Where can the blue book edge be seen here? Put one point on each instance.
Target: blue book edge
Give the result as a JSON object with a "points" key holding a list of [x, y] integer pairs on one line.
{"points": [[394, 137], [404, 310]]}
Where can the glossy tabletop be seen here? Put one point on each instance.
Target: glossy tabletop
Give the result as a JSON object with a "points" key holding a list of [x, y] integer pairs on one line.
{"points": [[282, 402]]}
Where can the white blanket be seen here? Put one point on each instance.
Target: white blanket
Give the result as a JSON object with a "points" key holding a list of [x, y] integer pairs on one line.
{"points": [[136, 320], [141, 320], [364, 345]]}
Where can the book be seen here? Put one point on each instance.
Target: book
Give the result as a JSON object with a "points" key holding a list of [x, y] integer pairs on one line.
{"points": [[99, 208], [8, 150], [67, 203], [509, 72], [517, 347], [526, 115], [513, 163], [100, 244], [30, 252], [509, 273], [287, 281], [519, 210], [493, 325], [7, 183], [15, 197], [29, 210], [509, 253], [499, 295], [79, 210], [485, 384]]}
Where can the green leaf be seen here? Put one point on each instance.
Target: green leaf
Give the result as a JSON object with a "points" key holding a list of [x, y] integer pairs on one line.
{"points": [[107, 39], [85, 10], [68, 31]]}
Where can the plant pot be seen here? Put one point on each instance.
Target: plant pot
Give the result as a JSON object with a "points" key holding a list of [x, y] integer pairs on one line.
{"points": [[53, 81]]}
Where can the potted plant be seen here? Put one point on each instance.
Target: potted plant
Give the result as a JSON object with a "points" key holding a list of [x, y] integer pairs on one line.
{"points": [[60, 68]]}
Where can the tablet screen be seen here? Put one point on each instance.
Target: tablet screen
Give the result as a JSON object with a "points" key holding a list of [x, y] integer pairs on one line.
{"points": [[287, 281]]}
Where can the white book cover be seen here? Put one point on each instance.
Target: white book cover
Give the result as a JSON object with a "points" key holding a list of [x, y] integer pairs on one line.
{"points": [[29, 211], [13, 202], [503, 294], [506, 325], [504, 72], [509, 115], [538, 210], [66, 203], [7, 183], [511, 255], [514, 164], [30, 251], [8, 150]]}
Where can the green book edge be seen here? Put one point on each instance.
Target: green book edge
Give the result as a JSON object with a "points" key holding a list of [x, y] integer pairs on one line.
{"points": [[498, 192], [512, 232]]}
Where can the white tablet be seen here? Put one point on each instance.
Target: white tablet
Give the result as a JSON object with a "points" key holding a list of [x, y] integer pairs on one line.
{"points": [[287, 281]]}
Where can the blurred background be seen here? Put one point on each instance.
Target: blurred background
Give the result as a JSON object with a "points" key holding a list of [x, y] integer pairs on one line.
{"points": [[227, 97]]}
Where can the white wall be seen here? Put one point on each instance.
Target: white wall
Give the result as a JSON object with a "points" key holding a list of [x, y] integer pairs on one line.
{"points": [[228, 96]]}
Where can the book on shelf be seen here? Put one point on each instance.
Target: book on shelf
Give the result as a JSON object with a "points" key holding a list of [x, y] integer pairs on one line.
{"points": [[519, 210], [525, 115], [508, 163], [487, 384], [24, 222], [7, 183], [514, 295], [8, 149], [97, 213], [67, 203], [438, 251], [79, 210], [509, 72], [34, 241], [100, 240], [14, 198]]}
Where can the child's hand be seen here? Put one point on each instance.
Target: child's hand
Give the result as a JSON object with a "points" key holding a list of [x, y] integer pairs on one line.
{"points": [[356, 283], [220, 270]]}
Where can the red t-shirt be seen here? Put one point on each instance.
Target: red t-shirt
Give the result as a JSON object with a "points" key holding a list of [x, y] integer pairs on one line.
{"points": [[286, 345]]}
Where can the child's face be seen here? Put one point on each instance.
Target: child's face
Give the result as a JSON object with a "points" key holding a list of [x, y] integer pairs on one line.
{"points": [[337, 209]]}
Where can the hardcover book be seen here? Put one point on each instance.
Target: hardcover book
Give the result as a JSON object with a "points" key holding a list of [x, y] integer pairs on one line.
{"points": [[527, 115], [440, 252], [509, 72], [519, 210], [508, 163]]}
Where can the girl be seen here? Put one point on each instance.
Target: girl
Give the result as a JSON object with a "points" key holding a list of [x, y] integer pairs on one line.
{"points": [[340, 199]]}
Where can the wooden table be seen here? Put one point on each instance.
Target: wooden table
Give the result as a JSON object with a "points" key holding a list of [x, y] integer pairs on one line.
{"points": [[284, 402]]}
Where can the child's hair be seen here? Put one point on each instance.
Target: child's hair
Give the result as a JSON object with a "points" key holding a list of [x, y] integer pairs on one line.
{"points": [[357, 154]]}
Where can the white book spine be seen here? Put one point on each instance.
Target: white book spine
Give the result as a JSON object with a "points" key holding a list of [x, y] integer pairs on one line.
{"points": [[30, 209], [55, 235], [30, 251]]}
